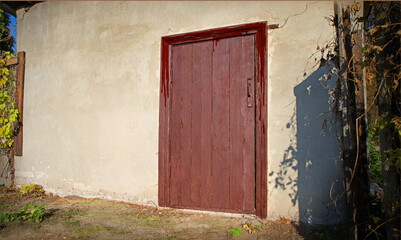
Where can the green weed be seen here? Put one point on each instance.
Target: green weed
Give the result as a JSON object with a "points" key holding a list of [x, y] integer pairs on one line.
{"points": [[374, 154], [30, 212], [236, 232], [323, 236], [6, 206], [171, 238], [71, 212], [34, 189], [153, 218], [71, 222]]}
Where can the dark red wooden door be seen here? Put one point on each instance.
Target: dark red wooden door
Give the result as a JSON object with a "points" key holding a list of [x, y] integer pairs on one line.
{"points": [[212, 126]]}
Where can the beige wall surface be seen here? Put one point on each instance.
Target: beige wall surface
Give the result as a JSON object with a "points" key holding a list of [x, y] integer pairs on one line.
{"points": [[92, 99]]}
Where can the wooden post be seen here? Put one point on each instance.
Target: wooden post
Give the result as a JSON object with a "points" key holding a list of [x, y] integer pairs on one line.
{"points": [[19, 101], [354, 149]]}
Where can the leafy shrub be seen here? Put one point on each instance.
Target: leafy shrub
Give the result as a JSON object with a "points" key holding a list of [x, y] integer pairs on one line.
{"points": [[34, 189], [374, 154], [34, 213], [8, 112], [6, 206]]}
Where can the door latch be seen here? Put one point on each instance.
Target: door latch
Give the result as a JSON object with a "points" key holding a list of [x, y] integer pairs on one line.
{"points": [[250, 92]]}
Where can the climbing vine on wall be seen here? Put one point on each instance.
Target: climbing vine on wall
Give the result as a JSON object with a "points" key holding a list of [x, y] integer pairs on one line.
{"points": [[8, 111]]}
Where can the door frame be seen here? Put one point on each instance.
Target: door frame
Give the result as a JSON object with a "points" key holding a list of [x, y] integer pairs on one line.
{"points": [[260, 31]]}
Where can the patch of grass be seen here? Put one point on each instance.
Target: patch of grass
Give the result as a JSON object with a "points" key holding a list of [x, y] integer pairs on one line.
{"points": [[83, 233], [153, 218], [260, 227], [100, 228], [6, 206], [86, 232], [67, 215], [71, 212], [148, 219], [236, 232], [71, 222], [30, 212], [171, 238]]}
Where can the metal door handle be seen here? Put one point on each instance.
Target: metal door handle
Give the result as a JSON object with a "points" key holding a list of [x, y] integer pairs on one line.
{"points": [[250, 92]]}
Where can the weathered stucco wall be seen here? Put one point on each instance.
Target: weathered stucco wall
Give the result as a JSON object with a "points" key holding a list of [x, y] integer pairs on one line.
{"points": [[92, 95]]}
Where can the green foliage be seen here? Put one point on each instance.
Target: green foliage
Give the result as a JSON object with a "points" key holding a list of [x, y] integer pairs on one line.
{"points": [[236, 232], [34, 189], [8, 112], [323, 236], [397, 124], [382, 68], [71, 222], [171, 238], [6, 206], [394, 156], [34, 212], [30, 212], [374, 154], [72, 212], [6, 39]]}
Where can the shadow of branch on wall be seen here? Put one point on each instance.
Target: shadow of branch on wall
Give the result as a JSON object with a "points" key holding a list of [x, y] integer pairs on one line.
{"points": [[288, 164], [314, 153]]}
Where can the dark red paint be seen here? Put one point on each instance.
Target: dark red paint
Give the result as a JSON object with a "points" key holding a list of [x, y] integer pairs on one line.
{"points": [[170, 195], [165, 73]]}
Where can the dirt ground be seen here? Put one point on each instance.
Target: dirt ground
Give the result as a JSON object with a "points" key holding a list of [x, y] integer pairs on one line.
{"points": [[73, 217]]}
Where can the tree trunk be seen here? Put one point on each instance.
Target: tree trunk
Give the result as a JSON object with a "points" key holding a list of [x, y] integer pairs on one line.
{"points": [[354, 133]]}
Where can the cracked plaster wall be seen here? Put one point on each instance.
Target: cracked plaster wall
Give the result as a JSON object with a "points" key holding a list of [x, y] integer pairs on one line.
{"points": [[92, 90]]}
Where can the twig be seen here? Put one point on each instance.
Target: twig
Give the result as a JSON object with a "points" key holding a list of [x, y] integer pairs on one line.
{"points": [[374, 230]]}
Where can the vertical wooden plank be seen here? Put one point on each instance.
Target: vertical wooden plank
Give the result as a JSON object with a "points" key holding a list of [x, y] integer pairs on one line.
{"points": [[19, 100], [249, 125], [186, 116], [242, 124], [164, 118], [175, 125], [261, 121], [247, 118], [181, 126], [201, 124], [220, 124], [238, 96]]}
